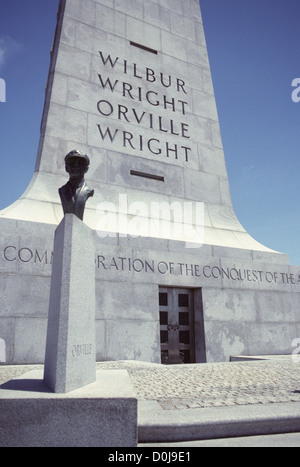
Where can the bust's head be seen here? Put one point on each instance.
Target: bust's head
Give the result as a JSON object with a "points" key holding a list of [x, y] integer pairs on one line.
{"points": [[77, 164]]}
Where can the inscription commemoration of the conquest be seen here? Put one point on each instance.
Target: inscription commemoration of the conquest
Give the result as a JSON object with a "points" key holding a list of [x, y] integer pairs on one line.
{"points": [[25, 255]]}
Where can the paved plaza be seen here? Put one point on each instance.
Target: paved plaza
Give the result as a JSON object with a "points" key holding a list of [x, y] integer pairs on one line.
{"points": [[214, 385], [180, 387]]}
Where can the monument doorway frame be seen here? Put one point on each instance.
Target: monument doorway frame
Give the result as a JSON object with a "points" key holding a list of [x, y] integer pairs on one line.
{"points": [[182, 338]]}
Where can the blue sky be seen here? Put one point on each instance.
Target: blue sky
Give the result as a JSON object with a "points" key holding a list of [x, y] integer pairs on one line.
{"points": [[254, 55]]}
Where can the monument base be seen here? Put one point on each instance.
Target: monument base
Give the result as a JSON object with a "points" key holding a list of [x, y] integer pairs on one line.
{"points": [[102, 414]]}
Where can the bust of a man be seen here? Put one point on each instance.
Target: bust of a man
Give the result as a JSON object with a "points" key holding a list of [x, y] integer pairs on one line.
{"points": [[75, 193]]}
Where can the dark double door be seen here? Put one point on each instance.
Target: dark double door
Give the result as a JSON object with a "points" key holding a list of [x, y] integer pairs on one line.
{"points": [[176, 307]]}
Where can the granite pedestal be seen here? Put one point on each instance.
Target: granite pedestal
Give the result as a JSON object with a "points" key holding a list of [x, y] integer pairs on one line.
{"points": [[70, 360]]}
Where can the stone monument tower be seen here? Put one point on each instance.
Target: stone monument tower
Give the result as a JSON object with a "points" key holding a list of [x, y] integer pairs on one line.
{"points": [[178, 278]]}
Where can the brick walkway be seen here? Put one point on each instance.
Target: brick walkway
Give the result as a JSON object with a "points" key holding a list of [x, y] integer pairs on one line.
{"points": [[208, 385]]}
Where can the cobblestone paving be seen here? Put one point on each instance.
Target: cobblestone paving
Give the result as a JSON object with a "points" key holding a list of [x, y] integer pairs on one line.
{"points": [[215, 385], [208, 385]]}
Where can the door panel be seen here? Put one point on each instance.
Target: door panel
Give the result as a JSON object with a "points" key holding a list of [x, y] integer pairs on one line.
{"points": [[176, 308]]}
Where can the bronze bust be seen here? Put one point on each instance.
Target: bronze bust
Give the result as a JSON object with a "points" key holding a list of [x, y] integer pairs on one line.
{"points": [[75, 193]]}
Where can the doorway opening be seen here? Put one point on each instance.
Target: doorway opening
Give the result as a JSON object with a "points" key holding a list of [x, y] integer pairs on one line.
{"points": [[177, 329]]}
